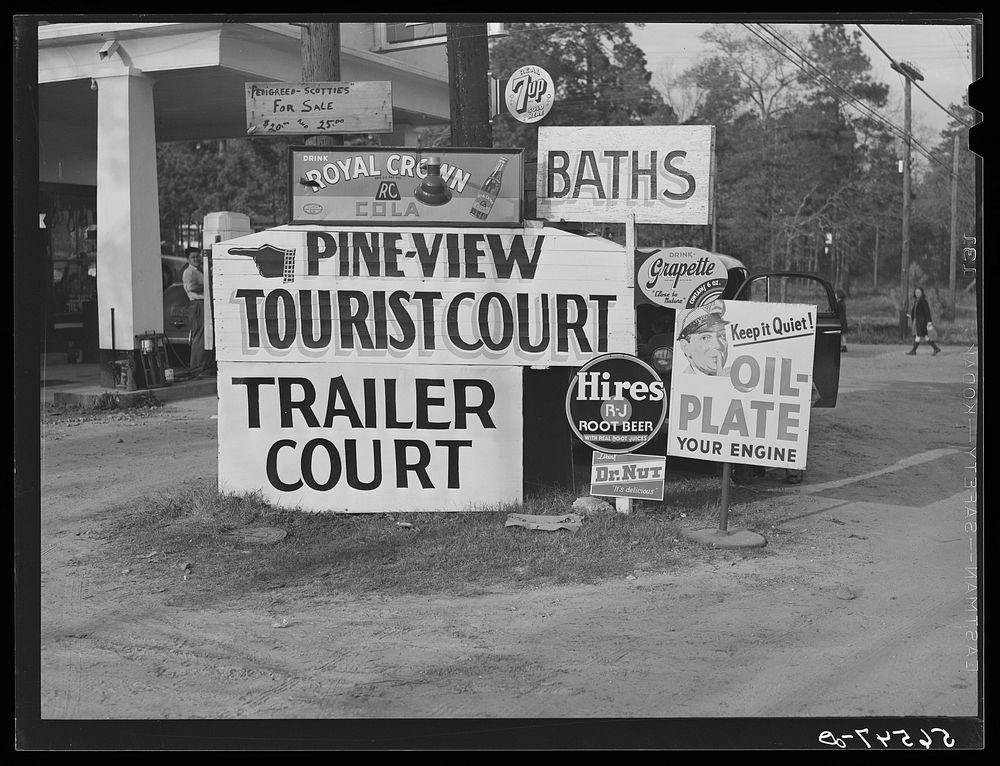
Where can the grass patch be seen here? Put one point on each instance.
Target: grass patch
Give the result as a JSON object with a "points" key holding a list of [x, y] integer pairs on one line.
{"points": [[874, 318], [112, 400], [367, 554], [108, 403]]}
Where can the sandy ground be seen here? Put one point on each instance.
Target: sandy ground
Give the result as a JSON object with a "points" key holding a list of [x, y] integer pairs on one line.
{"points": [[860, 608]]}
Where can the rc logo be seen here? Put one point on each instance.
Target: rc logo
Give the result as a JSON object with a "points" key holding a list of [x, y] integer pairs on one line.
{"points": [[387, 190]]}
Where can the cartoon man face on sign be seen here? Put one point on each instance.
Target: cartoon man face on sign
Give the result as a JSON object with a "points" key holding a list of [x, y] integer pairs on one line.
{"points": [[703, 339]]}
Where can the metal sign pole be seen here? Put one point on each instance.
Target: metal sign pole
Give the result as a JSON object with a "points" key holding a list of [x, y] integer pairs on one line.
{"points": [[624, 504], [727, 473]]}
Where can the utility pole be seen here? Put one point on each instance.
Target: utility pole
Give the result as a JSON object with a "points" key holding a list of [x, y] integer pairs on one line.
{"points": [[953, 255], [875, 262], [910, 73], [321, 63], [468, 85]]}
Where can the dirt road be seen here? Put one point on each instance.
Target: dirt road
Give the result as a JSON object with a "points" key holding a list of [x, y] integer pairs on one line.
{"points": [[861, 608]]}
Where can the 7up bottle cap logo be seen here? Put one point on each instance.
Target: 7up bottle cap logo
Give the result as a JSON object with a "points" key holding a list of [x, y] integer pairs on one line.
{"points": [[529, 94]]}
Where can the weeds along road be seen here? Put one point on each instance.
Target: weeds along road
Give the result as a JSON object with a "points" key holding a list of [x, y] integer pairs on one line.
{"points": [[858, 606]]}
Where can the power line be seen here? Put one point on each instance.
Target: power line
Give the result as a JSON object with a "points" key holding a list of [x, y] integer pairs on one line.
{"points": [[860, 106], [915, 83]]}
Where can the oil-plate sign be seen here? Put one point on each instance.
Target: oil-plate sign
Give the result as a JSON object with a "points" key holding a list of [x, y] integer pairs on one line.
{"points": [[370, 370], [664, 174]]}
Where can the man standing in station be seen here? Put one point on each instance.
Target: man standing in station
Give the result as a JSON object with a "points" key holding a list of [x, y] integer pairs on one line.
{"points": [[194, 286]]}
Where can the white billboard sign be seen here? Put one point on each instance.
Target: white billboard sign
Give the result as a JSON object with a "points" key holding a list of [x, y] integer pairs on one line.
{"points": [[664, 174], [437, 296], [742, 386], [371, 437], [369, 370]]}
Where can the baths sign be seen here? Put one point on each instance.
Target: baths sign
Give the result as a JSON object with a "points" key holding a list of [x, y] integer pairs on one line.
{"points": [[663, 174]]}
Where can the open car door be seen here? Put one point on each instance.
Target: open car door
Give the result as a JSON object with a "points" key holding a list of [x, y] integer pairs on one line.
{"points": [[797, 287]]}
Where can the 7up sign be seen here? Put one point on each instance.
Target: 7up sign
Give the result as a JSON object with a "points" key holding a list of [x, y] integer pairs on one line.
{"points": [[529, 94]]}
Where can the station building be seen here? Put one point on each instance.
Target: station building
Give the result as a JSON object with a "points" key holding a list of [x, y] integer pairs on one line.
{"points": [[108, 92]]}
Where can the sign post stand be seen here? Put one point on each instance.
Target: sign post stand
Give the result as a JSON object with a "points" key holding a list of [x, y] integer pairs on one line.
{"points": [[740, 357], [723, 537], [624, 504], [727, 475]]}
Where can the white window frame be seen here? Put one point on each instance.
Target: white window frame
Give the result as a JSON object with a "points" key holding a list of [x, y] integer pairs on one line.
{"points": [[383, 45]]}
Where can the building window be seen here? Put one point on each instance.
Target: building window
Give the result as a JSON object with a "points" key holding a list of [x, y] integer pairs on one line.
{"points": [[418, 34]]}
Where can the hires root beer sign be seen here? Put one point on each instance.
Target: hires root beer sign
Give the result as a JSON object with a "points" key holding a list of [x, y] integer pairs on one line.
{"points": [[616, 403], [369, 370]]}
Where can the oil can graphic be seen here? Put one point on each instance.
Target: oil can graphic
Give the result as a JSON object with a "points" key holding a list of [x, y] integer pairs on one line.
{"points": [[433, 190]]}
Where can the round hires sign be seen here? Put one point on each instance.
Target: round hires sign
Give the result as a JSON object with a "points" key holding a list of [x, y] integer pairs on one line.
{"points": [[616, 403]]}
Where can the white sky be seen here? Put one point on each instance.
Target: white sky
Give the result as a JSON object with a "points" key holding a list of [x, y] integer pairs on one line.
{"points": [[941, 52]]}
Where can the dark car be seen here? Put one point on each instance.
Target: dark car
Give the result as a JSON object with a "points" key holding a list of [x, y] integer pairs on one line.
{"points": [[172, 267], [655, 324], [176, 325], [655, 333]]}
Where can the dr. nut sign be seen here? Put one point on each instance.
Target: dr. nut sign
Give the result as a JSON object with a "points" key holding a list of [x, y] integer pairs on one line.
{"points": [[371, 370]]}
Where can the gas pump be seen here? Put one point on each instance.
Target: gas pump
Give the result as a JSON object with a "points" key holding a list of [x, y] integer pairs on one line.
{"points": [[218, 227]]}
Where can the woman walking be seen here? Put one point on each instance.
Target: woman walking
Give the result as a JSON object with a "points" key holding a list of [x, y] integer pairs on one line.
{"points": [[920, 318], [842, 313]]}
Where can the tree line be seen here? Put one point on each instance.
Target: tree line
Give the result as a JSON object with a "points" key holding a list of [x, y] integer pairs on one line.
{"points": [[808, 152]]}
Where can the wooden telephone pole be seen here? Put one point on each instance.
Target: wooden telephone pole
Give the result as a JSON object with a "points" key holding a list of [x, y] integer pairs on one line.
{"points": [[321, 63], [468, 84], [953, 254], [910, 73]]}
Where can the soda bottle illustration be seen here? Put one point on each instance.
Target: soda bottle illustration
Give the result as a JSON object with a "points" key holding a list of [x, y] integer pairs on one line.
{"points": [[488, 193]]}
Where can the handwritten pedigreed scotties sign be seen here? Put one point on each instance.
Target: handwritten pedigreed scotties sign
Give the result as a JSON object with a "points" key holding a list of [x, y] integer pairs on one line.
{"points": [[368, 370], [664, 174], [316, 108], [742, 385]]}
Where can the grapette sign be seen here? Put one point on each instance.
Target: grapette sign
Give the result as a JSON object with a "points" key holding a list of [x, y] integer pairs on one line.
{"points": [[664, 174], [741, 389], [364, 370], [679, 277]]}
